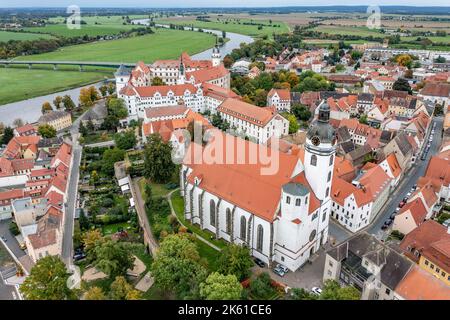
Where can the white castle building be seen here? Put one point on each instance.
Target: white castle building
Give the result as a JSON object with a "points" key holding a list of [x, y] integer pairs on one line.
{"points": [[282, 217], [184, 81]]}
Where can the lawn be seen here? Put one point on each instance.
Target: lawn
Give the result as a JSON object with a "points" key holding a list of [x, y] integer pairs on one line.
{"points": [[21, 83], [233, 25], [163, 44], [5, 258], [352, 31], [158, 190], [113, 228], [209, 254], [21, 36]]}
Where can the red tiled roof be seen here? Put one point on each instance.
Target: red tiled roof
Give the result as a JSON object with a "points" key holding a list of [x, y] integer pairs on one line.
{"points": [[256, 115], [27, 129], [393, 165], [8, 196], [436, 89], [416, 209], [177, 90], [22, 164], [166, 111], [211, 90], [209, 74], [284, 94]]}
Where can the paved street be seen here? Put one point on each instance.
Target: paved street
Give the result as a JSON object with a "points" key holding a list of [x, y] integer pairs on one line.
{"points": [[11, 241]]}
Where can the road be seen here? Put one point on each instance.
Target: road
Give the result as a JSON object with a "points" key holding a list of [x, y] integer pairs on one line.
{"points": [[340, 234]]}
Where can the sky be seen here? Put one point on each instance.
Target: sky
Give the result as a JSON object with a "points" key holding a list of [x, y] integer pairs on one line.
{"points": [[212, 3]]}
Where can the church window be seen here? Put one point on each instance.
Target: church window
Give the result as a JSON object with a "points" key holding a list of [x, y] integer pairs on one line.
{"points": [[228, 218], [298, 202], [260, 237], [324, 216], [313, 160], [212, 213], [243, 228], [327, 192], [329, 176], [331, 160]]}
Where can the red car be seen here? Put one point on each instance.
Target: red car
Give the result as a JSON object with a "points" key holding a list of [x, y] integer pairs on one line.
{"points": [[401, 204]]}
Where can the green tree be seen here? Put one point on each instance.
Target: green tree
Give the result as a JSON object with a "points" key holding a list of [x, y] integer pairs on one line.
{"points": [[293, 123], [82, 129], [91, 239], [301, 112], [8, 134], [85, 97], [47, 281], [158, 165], [333, 291], [68, 103], [94, 293], [157, 81], [177, 266], [402, 85], [109, 158], [47, 131], [302, 294], [116, 107], [104, 90], [122, 290], [111, 88], [220, 287], [363, 119], [46, 107], [235, 260], [113, 258], [261, 286], [125, 140]]}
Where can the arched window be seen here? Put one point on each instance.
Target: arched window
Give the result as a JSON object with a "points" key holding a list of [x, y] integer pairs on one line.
{"points": [[243, 228], [298, 202], [260, 238], [331, 160], [313, 160], [327, 192], [228, 222], [212, 213], [329, 176]]}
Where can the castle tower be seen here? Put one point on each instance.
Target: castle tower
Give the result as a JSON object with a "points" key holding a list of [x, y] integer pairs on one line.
{"points": [[215, 56], [319, 154], [122, 76], [181, 72]]}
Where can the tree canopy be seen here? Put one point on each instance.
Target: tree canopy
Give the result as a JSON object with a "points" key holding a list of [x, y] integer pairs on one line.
{"points": [[235, 260], [221, 287], [158, 164], [47, 131]]}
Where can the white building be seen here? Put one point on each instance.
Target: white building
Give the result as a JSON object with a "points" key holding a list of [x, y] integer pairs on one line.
{"points": [[258, 124], [282, 217], [279, 98]]}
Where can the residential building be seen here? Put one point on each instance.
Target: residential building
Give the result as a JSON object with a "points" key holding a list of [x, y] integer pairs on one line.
{"points": [[279, 98], [59, 120]]}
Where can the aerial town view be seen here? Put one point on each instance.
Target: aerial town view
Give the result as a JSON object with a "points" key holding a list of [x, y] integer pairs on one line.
{"points": [[215, 151]]}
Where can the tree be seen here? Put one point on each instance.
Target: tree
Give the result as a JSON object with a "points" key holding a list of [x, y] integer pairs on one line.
{"points": [[94, 293], [91, 239], [110, 157], [125, 140], [103, 90], [220, 287], [57, 102], [116, 107], [236, 260], [363, 119], [82, 129], [302, 294], [333, 291], [440, 59], [293, 124], [301, 112], [158, 165], [18, 122], [111, 88], [404, 60], [402, 85], [261, 286], [93, 92], [47, 281], [68, 103], [47, 131], [8, 134], [157, 81], [177, 266], [113, 258], [122, 290], [46, 107], [85, 97]]}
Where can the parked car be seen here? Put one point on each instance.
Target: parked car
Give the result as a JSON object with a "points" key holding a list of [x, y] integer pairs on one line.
{"points": [[388, 222], [278, 271], [316, 290], [397, 210], [284, 268], [401, 204], [409, 194], [259, 262], [383, 227], [392, 216], [79, 256]]}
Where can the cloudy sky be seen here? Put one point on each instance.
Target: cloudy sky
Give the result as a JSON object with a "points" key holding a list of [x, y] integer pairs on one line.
{"points": [[212, 3]]}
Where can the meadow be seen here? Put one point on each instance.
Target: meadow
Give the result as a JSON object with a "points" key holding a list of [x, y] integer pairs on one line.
{"points": [[163, 44], [232, 25], [22, 83], [21, 36]]}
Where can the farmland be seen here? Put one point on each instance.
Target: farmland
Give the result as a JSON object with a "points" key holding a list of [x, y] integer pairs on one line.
{"points": [[21, 36], [255, 28], [163, 44]]}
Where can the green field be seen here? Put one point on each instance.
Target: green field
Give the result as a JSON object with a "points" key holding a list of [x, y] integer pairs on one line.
{"points": [[21, 83], [233, 26], [8, 35], [351, 31], [163, 44]]}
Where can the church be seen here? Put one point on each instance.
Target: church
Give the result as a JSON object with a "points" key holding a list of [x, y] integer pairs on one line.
{"points": [[282, 217]]}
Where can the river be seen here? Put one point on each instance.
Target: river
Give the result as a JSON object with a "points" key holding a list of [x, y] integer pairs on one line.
{"points": [[30, 110]]}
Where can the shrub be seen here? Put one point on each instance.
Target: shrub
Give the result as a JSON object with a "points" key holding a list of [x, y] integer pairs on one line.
{"points": [[14, 228]]}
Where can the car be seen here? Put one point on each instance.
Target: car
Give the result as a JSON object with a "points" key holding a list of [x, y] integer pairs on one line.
{"points": [[23, 246], [316, 290], [285, 269], [383, 227], [4, 239], [401, 204], [405, 199], [259, 262], [392, 216], [388, 222], [397, 210], [431, 138], [409, 194], [278, 271], [79, 256]]}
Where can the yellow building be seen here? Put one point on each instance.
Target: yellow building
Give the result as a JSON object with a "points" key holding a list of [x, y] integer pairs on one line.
{"points": [[436, 266], [59, 120]]}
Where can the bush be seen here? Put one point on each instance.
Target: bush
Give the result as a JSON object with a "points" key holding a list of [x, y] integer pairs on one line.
{"points": [[261, 287], [14, 228]]}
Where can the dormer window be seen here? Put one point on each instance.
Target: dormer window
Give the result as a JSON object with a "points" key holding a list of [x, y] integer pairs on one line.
{"points": [[288, 200], [298, 202]]}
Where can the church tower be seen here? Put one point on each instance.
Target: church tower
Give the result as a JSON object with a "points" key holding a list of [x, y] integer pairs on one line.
{"points": [[181, 72], [215, 56], [319, 154], [122, 76]]}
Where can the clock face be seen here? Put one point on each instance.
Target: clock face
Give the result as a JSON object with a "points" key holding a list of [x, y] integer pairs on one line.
{"points": [[315, 140]]}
